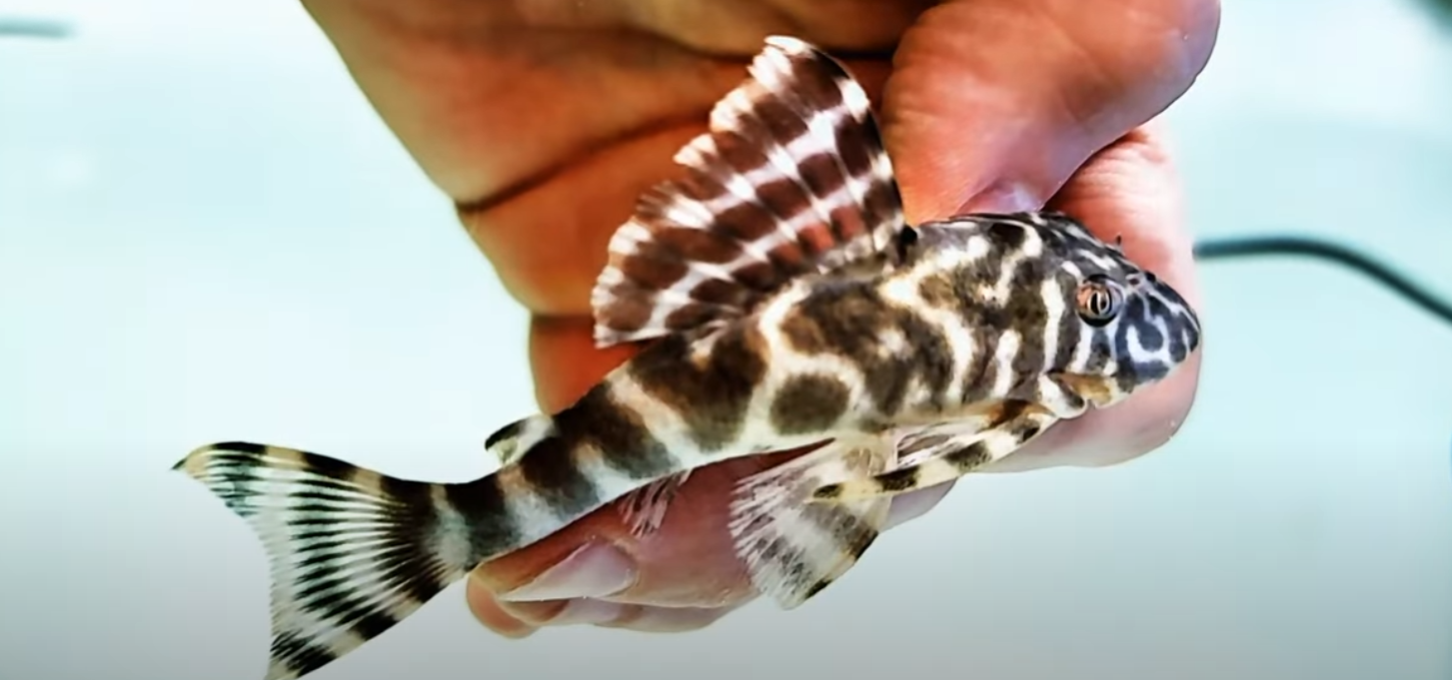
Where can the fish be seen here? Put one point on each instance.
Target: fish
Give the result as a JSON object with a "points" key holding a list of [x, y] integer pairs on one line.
{"points": [[780, 301]]}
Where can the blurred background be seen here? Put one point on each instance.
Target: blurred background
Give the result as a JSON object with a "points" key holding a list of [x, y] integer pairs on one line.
{"points": [[207, 233]]}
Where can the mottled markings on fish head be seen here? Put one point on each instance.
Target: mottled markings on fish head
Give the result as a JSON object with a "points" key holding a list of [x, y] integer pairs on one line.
{"points": [[1120, 327], [1075, 304]]}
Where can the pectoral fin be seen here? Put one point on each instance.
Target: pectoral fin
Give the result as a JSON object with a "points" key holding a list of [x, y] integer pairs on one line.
{"points": [[794, 549], [945, 457]]}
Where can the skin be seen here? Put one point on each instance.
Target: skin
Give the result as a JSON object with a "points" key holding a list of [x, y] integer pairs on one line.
{"points": [[544, 119]]}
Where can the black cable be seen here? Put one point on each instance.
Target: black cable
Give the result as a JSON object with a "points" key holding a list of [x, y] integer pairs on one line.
{"points": [[1262, 246]]}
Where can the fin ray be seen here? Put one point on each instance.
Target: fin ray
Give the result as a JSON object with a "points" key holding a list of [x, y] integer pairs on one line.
{"points": [[644, 509], [792, 548], [941, 458], [791, 179], [351, 552]]}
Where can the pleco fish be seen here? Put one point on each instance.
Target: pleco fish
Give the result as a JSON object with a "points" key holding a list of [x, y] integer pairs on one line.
{"points": [[787, 304]]}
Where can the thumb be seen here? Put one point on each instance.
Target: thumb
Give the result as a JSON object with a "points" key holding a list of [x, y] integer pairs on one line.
{"points": [[994, 104]]}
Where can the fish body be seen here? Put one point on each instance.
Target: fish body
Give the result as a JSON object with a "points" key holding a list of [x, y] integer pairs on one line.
{"points": [[784, 302]]}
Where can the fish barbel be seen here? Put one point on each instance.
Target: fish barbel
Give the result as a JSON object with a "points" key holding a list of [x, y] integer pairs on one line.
{"points": [[783, 302]]}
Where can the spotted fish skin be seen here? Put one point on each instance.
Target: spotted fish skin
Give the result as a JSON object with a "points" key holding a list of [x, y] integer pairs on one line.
{"points": [[782, 302]]}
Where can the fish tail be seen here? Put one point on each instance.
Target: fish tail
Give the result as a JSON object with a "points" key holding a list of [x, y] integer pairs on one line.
{"points": [[352, 552]]}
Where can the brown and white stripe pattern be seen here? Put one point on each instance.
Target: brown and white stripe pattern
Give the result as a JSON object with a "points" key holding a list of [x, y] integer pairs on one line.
{"points": [[789, 306], [791, 179], [1013, 300], [793, 549], [352, 552]]}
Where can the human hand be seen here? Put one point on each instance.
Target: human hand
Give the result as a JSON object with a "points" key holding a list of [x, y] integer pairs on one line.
{"points": [[544, 120]]}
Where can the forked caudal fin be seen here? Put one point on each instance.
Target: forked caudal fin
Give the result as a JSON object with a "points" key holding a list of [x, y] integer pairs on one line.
{"points": [[352, 552]]}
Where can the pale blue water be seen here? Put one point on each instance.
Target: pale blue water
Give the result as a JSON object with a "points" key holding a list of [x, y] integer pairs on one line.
{"points": [[206, 233]]}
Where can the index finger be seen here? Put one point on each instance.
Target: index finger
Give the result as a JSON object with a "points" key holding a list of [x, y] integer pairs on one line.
{"points": [[994, 104]]}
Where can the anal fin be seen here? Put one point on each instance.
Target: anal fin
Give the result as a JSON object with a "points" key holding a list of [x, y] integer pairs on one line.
{"points": [[792, 548]]}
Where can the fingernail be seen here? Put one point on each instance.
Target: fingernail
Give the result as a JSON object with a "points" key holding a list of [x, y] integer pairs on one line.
{"points": [[588, 612], [595, 570], [914, 504]]}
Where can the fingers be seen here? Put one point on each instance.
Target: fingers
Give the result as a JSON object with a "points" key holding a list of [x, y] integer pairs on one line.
{"points": [[663, 577], [544, 134], [993, 104], [525, 233], [683, 576], [548, 242], [1002, 104], [688, 562], [565, 361], [491, 97], [522, 619], [1129, 190]]}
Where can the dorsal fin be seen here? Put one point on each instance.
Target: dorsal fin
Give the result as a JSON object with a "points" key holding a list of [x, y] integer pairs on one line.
{"points": [[791, 179]]}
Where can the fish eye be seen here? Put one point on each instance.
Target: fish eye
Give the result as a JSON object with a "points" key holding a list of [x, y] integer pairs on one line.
{"points": [[1099, 300]]}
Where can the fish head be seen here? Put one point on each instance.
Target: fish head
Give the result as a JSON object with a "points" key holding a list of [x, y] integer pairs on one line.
{"points": [[1080, 311], [1124, 327]]}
